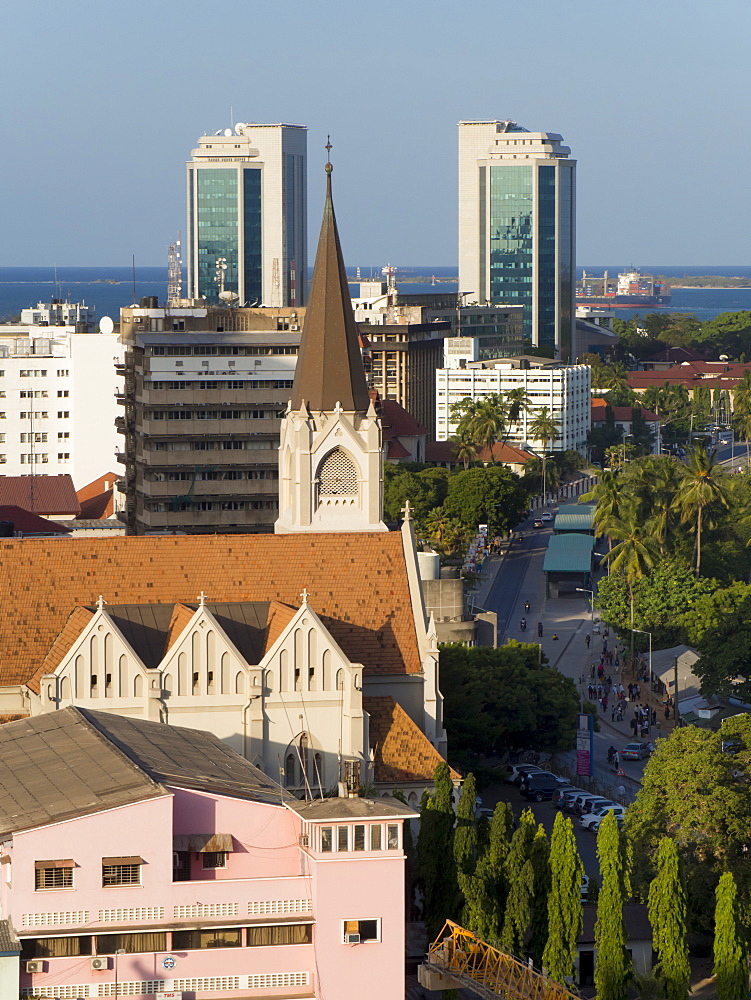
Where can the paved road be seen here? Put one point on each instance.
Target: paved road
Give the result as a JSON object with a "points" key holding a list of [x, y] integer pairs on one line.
{"points": [[511, 588]]}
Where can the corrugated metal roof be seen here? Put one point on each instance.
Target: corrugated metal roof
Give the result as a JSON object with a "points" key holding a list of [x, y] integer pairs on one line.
{"points": [[69, 763], [573, 522], [569, 553], [576, 508], [40, 494]]}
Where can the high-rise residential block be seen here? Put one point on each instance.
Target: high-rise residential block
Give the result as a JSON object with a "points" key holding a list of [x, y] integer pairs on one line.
{"points": [[247, 208], [517, 195]]}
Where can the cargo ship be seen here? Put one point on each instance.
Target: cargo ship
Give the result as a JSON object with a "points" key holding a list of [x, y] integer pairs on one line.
{"points": [[629, 290]]}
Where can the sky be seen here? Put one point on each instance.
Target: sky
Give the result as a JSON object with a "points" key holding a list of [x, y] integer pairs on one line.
{"points": [[103, 102]]}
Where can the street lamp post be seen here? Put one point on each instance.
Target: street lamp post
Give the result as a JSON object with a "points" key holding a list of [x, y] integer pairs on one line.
{"points": [[583, 590], [644, 632]]}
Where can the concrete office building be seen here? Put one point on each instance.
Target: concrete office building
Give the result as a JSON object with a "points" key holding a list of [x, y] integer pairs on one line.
{"points": [[205, 391], [57, 401], [517, 192], [247, 208], [564, 389]]}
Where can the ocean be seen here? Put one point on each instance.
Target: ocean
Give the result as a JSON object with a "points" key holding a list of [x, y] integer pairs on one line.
{"points": [[109, 288]]}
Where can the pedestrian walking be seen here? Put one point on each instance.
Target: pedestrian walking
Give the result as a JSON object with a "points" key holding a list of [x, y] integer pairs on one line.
{"points": [[587, 639], [634, 726], [592, 671], [654, 716], [539, 630]]}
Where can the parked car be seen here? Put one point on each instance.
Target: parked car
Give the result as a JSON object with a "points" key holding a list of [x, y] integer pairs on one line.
{"points": [[572, 802], [539, 787], [731, 745], [635, 751], [590, 803], [584, 888], [557, 780], [592, 820], [546, 516], [562, 790], [519, 770], [566, 798], [537, 523], [594, 826]]}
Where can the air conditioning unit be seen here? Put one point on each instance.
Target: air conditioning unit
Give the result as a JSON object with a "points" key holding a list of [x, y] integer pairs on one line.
{"points": [[37, 966], [353, 938], [99, 963]]}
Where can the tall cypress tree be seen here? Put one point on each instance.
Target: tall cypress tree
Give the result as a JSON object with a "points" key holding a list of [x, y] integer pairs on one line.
{"points": [[730, 957], [518, 910], [435, 852], [564, 901], [540, 857], [667, 915], [485, 900], [611, 966], [465, 834]]}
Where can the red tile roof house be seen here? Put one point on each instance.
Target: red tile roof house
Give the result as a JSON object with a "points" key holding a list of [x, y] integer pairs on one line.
{"points": [[156, 858], [623, 417], [49, 496]]}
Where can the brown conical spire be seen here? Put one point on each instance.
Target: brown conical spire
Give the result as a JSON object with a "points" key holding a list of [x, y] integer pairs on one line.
{"points": [[329, 365]]}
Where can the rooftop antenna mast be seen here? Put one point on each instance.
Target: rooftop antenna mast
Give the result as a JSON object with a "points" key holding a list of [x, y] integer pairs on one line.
{"points": [[174, 274]]}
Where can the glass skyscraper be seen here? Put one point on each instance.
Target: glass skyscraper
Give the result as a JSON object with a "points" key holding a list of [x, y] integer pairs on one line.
{"points": [[247, 208], [516, 226]]}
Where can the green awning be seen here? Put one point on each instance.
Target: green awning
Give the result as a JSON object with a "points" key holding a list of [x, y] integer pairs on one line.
{"points": [[569, 553], [573, 522]]}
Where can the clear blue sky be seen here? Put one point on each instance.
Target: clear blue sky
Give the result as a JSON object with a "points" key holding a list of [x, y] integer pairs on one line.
{"points": [[103, 101]]}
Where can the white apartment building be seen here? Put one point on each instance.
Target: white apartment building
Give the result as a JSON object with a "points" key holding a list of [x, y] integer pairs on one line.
{"points": [[247, 216], [60, 313], [564, 389], [57, 401]]}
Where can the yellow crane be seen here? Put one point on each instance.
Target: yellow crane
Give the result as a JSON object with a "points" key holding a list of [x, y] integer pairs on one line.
{"points": [[459, 958]]}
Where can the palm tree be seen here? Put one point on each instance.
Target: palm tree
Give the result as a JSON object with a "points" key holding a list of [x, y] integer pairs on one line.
{"points": [[518, 402], [608, 499], [742, 410], [703, 485], [465, 451], [634, 553], [546, 429], [653, 483], [489, 422]]}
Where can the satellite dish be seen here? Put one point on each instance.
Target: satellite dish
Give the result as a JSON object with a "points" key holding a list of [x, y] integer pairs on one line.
{"points": [[240, 128], [228, 132], [106, 324]]}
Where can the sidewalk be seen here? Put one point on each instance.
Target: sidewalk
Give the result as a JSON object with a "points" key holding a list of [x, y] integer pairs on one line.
{"points": [[569, 617]]}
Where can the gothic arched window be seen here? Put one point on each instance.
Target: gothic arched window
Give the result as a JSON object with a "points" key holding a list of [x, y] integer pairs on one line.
{"points": [[337, 475]]}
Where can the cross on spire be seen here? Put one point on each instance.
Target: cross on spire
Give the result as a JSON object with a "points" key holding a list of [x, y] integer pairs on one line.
{"points": [[328, 147], [201, 599], [407, 511], [305, 595], [100, 602]]}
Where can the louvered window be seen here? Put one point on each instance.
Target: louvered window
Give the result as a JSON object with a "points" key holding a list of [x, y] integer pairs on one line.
{"points": [[338, 475]]}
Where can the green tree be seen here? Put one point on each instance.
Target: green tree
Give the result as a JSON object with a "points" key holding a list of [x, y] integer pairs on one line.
{"points": [[742, 410], [546, 429], [714, 609], [564, 901], [730, 955], [611, 967], [499, 696], [690, 792], [485, 900], [729, 333], [437, 872], [492, 496], [703, 487], [667, 915], [465, 834], [540, 858], [724, 665], [518, 911]]}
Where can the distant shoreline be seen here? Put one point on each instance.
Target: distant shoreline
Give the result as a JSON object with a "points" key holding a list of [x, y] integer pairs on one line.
{"points": [[713, 288]]}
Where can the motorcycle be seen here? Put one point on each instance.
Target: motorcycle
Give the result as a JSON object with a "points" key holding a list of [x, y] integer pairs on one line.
{"points": [[526, 606], [523, 624]]}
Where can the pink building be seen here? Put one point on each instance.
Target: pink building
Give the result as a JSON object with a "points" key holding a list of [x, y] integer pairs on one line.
{"points": [[140, 859]]}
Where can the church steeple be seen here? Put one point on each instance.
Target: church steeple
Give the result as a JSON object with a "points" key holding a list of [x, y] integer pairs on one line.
{"points": [[329, 365], [331, 440]]}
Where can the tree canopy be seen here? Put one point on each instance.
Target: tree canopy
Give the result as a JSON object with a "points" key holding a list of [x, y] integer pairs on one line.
{"points": [[499, 697]]}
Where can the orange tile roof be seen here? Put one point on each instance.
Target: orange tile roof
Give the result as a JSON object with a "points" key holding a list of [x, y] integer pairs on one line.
{"points": [[402, 751], [357, 583], [99, 486], [77, 621], [181, 615], [280, 615]]}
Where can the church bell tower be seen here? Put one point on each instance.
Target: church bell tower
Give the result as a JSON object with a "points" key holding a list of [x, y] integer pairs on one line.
{"points": [[330, 452]]}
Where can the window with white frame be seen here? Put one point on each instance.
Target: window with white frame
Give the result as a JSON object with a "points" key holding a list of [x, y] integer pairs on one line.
{"points": [[53, 875], [121, 871], [361, 931]]}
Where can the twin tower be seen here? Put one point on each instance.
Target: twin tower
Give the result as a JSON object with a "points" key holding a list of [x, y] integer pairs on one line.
{"points": [[330, 451]]}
